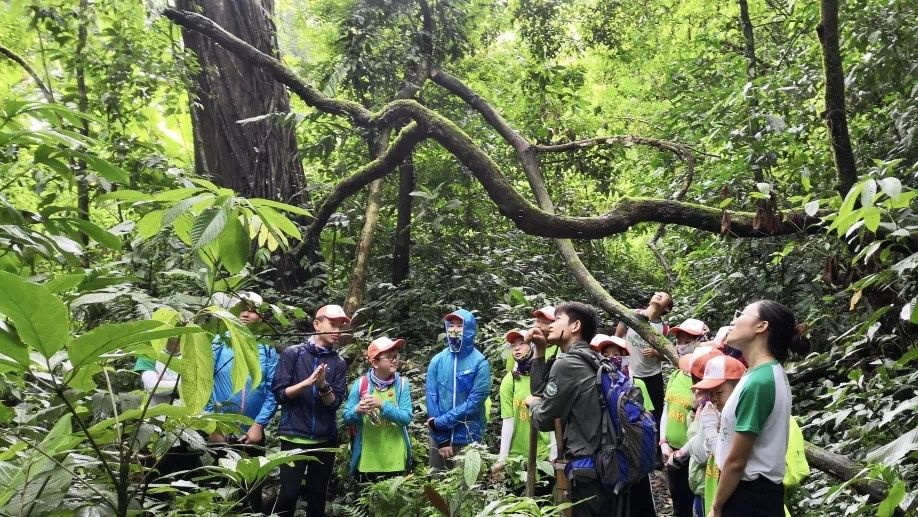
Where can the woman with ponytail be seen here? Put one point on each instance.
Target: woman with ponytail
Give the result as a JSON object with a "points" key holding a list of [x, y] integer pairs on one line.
{"points": [[752, 443]]}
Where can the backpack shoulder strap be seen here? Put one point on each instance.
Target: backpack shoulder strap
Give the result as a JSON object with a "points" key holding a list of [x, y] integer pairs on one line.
{"points": [[587, 357], [364, 386]]}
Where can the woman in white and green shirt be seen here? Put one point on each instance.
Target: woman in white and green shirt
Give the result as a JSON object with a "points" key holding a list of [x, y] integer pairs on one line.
{"points": [[753, 429]]}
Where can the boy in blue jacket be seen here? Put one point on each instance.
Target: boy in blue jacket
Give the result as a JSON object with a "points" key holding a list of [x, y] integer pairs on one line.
{"points": [[255, 402], [309, 384], [379, 407], [458, 382]]}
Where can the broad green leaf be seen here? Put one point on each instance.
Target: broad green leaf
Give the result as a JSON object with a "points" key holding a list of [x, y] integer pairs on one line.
{"points": [[234, 246], [105, 169], [150, 224], [259, 203], [181, 208], [197, 371], [893, 452], [279, 221], [872, 217], [63, 283], [182, 227], [868, 192], [12, 347], [892, 187], [209, 185], [207, 226], [243, 344], [167, 410], [812, 207], [100, 235], [471, 467], [168, 317], [895, 496], [42, 321], [106, 338], [850, 199]]}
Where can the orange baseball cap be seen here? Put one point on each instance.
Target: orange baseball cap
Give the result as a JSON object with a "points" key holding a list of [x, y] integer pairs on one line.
{"points": [[691, 326], [719, 369], [513, 335], [685, 362], [697, 367], [382, 344], [601, 341], [333, 312], [547, 312]]}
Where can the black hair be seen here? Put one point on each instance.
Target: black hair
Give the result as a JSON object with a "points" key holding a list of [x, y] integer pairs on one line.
{"points": [[585, 314], [784, 333]]}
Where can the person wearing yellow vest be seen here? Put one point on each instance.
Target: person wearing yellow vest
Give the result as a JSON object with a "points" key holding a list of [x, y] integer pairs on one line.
{"points": [[677, 407], [515, 427], [695, 363], [379, 408]]}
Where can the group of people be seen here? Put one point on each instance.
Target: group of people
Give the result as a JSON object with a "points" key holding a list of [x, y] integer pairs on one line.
{"points": [[723, 415]]}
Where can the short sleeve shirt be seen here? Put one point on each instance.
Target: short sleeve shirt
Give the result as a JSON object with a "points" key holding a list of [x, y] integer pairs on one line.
{"points": [[639, 365], [761, 405]]}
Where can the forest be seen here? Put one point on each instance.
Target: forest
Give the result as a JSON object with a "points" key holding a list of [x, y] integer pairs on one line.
{"points": [[407, 158]]}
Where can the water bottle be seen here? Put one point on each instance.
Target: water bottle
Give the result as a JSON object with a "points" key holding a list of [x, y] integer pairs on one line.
{"points": [[375, 418]]}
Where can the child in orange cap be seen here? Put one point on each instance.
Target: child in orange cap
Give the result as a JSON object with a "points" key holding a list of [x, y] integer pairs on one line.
{"points": [[514, 388], [616, 349], [721, 375], [379, 407], [678, 401]]}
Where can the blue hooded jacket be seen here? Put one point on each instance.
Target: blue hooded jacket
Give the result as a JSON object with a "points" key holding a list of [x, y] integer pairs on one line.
{"points": [[457, 385], [256, 403]]}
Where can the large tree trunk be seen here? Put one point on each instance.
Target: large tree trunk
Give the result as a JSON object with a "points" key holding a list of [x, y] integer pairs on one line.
{"points": [[401, 253], [258, 158]]}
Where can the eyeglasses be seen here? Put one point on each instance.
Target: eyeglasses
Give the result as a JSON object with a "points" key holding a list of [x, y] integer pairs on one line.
{"points": [[737, 314], [390, 358]]}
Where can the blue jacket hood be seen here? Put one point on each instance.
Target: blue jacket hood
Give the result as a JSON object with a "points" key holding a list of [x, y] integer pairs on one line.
{"points": [[469, 331]]}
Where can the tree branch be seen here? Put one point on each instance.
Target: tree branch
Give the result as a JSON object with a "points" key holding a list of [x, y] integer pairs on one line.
{"points": [[834, 114], [12, 56]]}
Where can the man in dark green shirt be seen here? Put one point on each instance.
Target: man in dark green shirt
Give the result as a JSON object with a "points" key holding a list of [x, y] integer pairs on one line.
{"points": [[572, 396]]}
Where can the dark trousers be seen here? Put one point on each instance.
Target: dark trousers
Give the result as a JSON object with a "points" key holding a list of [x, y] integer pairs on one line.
{"points": [[757, 498], [682, 495], [436, 462], [656, 390], [639, 500], [597, 499], [317, 475]]}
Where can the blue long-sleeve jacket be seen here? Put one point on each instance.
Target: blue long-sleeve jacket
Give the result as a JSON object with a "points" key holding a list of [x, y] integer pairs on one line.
{"points": [[256, 402], [457, 385], [306, 416], [400, 414]]}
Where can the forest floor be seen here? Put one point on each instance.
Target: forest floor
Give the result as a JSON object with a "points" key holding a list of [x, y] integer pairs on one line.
{"points": [[660, 488]]}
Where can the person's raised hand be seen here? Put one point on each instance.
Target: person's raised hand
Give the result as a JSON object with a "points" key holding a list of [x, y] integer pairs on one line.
{"points": [[255, 434], [537, 338], [320, 371], [649, 352]]}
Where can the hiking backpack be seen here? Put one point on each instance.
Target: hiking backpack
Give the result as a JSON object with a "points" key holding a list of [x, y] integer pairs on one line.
{"points": [[628, 437]]}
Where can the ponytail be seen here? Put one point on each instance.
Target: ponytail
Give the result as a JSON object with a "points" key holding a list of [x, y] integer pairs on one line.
{"points": [[785, 335]]}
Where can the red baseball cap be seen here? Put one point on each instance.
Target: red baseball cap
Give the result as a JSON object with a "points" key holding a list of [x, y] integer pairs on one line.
{"points": [[333, 312], [547, 312], [692, 327], [601, 341], [453, 317], [513, 335], [382, 344], [718, 370]]}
